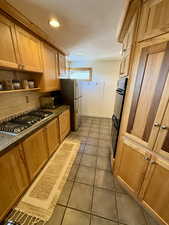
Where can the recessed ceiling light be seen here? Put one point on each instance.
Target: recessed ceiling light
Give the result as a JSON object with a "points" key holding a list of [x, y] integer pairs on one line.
{"points": [[54, 23]]}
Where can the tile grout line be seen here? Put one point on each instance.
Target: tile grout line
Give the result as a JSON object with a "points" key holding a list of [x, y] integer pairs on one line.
{"points": [[93, 192]]}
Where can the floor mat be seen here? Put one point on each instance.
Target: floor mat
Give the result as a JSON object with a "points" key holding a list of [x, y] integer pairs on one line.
{"points": [[39, 202]]}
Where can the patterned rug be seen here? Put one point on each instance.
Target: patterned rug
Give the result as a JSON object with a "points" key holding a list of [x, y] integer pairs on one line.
{"points": [[39, 202]]}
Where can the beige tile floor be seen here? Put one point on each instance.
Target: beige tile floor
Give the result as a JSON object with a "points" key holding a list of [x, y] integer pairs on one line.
{"points": [[92, 196]]}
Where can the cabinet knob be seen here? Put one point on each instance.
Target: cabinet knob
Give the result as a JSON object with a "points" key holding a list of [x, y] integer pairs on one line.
{"points": [[164, 127], [153, 162], [19, 66], [156, 124], [146, 158]]}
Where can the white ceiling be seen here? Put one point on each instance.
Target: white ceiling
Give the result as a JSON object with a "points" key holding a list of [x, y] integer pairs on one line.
{"points": [[88, 27]]}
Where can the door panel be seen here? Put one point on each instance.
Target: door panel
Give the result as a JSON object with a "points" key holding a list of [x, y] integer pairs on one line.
{"points": [[49, 80], [35, 151], [64, 124], [156, 192], [29, 50], [162, 143], [14, 179], [8, 45], [154, 19], [62, 65], [150, 94], [133, 165], [52, 132]]}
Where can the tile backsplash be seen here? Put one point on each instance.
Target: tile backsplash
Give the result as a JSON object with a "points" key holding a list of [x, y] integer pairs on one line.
{"points": [[12, 104], [16, 103]]}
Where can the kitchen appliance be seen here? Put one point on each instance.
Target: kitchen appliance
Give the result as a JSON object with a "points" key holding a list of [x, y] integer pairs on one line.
{"points": [[47, 102], [20, 123], [118, 108], [71, 95]]}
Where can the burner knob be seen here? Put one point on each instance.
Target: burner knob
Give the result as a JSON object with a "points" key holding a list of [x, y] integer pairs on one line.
{"points": [[17, 130]]}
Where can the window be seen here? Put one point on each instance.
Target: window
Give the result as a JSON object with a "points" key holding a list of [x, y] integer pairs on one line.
{"points": [[83, 73]]}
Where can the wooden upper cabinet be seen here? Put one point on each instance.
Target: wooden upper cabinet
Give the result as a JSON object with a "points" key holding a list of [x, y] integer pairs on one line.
{"points": [[150, 93], [62, 65], [14, 178], [50, 78], [155, 191], [8, 44], [53, 136], [29, 50], [133, 166], [35, 152], [154, 19], [127, 46], [64, 124]]}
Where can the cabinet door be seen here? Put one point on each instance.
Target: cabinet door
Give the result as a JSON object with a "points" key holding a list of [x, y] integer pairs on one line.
{"points": [[127, 46], [155, 191], [52, 132], [35, 151], [64, 124], [50, 80], [133, 165], [62, 65], [14, 179], [162, 142], [8, 44], [150, 93], [154, 19], [29, 50]]}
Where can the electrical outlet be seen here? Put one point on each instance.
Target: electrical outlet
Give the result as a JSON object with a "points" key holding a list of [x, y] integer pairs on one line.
{"points": [[27, 99]]}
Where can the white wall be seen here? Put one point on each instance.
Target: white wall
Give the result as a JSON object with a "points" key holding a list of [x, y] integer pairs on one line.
{"points": [[99, 94]]}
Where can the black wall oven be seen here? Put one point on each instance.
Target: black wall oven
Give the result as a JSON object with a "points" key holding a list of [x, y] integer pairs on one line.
{"points": [[118, 108]]}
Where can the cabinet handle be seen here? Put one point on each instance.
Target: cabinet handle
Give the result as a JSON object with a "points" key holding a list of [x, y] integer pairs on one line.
{"points": [[146, 158], [19, 66], [164, 127], [22, 66], [156, 124], [153, 162]]}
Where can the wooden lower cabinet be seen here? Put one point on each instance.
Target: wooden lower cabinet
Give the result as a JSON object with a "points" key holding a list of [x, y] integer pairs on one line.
{"points": [[155, 191], [133, 166], [146, 176], [64, 124], [36, 152], [14, 178], [52, 134]]}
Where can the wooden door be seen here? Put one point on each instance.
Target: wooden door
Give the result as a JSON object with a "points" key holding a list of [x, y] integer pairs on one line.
{"points": [[64, 124], [155, 191], [162, 142], [134, 162], [14, 178], [62, 65], [29, 50], [150, 93], [35, 151], [50, 79], [154, 19], [8, 45], [53, 137]]}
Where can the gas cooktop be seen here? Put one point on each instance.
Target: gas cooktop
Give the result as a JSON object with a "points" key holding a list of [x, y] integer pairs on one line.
{"points": [[20, 123]]}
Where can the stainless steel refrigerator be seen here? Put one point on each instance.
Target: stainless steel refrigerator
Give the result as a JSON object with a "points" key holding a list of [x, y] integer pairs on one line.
{"points": [[71, 95]]}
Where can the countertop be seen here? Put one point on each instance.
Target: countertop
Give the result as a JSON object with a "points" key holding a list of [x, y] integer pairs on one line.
{"points": [[9, 140]]}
